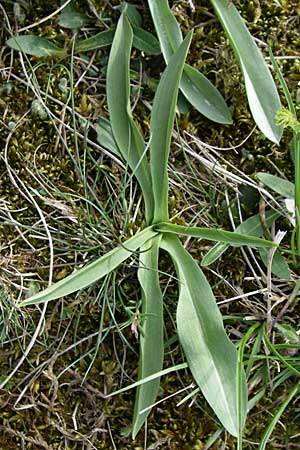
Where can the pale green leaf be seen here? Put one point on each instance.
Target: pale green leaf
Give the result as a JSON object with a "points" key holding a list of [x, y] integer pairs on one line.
{"points": [[92, 272], [277, 184], [126, 134], [151, 336], [161, 126], [261, 91], [196, 87], [212, 357], [35, 45], [229, 237]]}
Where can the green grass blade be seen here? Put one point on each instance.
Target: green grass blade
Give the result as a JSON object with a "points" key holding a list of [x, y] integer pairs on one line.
{"points": [[154, 376], [240, 381], [229, 237], [199, 91], [126, 133], [212, 357], [269, 430], [92, 272], [151, 337], [262, 95], [161, 126]]}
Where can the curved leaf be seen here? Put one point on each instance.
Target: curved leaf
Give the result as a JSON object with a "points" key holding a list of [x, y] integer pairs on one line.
{"points": [[92, 272], [161, 126], [199, 91], [262, 95], [151, 337], [35, 45], [125, 131], [229, 237], [212, 357], [250, 227], [102, 39]]}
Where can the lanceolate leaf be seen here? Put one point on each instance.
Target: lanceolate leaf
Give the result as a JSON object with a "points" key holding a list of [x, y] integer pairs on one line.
{"points": [[142, 40], [211, 356], [196, 87], [126, 133], [36, 46], [277, 184], [102, 39], [250, 227], [145, 41], [230, 237], [262, 95], [92, 272], [151, 336], [161, 125], [203, 95]]}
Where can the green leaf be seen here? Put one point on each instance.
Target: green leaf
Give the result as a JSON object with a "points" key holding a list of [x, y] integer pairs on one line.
{"points": [[214, 254], [211, 356], [261, 91], [102, 39], [161, 126], [166, 26], [142, 40], [35, 45], [71, 18], [145, 41], [280, 267], [151, 337], [92, 272], [203, 95], [250, 227], [229, 237], [277, 184], [196, 87], [105, 135], [127, 135]]}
